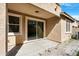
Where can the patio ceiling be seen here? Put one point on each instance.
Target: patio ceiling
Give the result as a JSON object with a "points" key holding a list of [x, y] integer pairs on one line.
{"points": [[30, 9]]}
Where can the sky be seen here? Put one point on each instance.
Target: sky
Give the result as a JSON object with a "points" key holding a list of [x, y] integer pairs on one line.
{"points": [[71, 8]]}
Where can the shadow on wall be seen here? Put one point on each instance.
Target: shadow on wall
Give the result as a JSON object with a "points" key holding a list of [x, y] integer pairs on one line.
{"points": [[14, 45], [53, 28], [50, 24]]}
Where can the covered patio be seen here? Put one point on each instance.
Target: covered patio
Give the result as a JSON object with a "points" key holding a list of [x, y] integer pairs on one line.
{"points": [[28, 22], [32, 48]]}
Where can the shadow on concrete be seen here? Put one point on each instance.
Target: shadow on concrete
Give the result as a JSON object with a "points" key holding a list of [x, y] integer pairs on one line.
{"points": [[14, 50]]}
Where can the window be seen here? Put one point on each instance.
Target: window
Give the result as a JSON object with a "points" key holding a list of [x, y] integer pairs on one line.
{"points": [[14, 23], [67, 26]]}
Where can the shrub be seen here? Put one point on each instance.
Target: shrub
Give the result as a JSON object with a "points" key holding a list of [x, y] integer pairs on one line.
{"points": [[74, 36], [78, 53]]}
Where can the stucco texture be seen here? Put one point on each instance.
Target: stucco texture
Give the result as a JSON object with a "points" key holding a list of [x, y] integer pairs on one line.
{"points": [[65, 35], [53, 29], [3, 29]]}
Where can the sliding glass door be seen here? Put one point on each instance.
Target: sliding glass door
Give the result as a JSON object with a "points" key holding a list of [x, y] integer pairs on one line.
{"points": [[31, 29], [35, 29], [40, 29]]}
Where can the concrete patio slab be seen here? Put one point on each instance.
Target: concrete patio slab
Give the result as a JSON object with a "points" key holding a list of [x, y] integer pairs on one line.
{"points": [[34, 47]]}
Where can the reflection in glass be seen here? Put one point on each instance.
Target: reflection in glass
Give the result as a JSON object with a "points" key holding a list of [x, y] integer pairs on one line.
{"points": [[31, 29], [40, 29], [35, 29]]}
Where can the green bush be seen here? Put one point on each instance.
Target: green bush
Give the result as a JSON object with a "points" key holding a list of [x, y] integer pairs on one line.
{"points": [[78, 53], [74, 37]]}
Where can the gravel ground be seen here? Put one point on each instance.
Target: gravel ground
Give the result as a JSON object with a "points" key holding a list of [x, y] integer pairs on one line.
{"points": [[68, 48]]}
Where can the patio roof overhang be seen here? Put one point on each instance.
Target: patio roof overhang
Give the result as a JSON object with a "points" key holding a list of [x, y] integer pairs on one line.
{"points": [[29, 10]]}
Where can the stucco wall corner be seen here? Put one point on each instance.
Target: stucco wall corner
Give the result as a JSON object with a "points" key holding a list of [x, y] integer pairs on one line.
{"points": [[2, 29]]}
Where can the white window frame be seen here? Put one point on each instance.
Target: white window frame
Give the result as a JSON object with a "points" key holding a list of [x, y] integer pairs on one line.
{"points": [[69, 26], [20, 24], [36, 19]]}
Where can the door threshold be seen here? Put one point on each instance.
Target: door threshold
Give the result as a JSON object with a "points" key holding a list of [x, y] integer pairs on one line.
{"points": [[28, 41]]}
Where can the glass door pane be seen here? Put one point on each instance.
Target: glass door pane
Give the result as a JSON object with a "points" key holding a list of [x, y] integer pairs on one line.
{"points": [[31, 29], [40, 29]]}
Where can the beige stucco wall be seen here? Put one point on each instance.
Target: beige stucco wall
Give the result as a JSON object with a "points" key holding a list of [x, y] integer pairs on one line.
{"points": [[75, 24], [65, 35], [13, 40], [2, 29], [56, 29], [53, 29], [75, 27]]}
